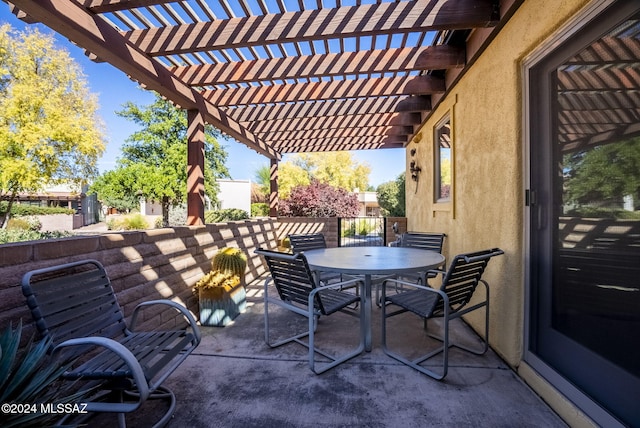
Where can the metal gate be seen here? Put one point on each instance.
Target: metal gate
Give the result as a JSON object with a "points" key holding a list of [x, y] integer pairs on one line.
{"points": [[362, 231]]}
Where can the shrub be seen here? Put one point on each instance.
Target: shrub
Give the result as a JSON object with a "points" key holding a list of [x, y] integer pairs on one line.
{"points": [[135, 222], [129, 222], [18, 235], [319, 200], [228, 214], [259, 209], [18, 224], [21, 210]]}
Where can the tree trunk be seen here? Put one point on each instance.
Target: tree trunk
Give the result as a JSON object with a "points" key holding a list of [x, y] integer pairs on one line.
{"points": [[165, 211], [4, 219]]}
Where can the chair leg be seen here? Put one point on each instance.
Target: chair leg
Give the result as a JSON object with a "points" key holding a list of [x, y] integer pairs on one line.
{"points": [[415, 364], [473, 350], [334, 360]]}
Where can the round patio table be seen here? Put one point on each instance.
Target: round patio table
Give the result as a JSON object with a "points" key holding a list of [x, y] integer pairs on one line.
{"points": [[369, 261]]}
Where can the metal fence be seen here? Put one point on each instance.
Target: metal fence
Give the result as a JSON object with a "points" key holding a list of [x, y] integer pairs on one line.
{"points": [[362, 231]]}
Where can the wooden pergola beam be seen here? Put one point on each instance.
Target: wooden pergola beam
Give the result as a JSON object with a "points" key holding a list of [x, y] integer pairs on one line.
{"points": [[94, 34], [346, 121], [353, 88], [316, 24], [341, 145], [401, 131], [104, 6], [341, 107], [309, 66]]}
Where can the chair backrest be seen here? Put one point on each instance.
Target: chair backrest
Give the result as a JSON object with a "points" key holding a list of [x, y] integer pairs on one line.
{"points": [[73, 300], [292, 277], [423, 240], [463, 276], [307, 241]]}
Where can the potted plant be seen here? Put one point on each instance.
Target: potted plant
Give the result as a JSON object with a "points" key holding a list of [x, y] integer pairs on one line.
{"points": [[221, 292]]}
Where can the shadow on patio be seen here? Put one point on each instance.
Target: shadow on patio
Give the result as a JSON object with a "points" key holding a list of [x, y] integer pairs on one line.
{"points": [[234, 379]]}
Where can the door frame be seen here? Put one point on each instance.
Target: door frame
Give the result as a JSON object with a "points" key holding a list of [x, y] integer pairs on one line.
{"points": [[576, 24]]}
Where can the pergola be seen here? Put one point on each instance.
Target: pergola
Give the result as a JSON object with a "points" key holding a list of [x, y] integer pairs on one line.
{"points": [[284, 76]]}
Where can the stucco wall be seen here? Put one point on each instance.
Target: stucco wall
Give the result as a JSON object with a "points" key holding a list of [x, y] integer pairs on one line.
{"points": [[488, 193]]}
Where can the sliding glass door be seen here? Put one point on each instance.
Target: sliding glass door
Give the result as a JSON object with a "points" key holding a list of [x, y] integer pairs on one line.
{"points": [[585, 211]]}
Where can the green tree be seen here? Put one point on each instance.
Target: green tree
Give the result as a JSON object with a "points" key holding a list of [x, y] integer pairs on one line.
{"points": [[337, 169], [604, 174], [49, 129], [291, 176], [262, 177], [391, 197], [154, 159]]}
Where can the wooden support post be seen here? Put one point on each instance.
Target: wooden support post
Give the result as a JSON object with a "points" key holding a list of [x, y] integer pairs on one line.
{"points": [[273, 196], [195, 167]]}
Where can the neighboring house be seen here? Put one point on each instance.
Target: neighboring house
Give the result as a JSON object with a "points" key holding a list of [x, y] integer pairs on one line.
{"points": [[232, 194], [368, 202], [235, 194], [557, 86], [69, 196], [150, 208]]}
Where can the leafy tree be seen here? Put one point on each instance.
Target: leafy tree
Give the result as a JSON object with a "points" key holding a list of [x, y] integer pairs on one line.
{"points": [[49, 130], [118, 189], [319, 200], [290, 176], [263, 179], [338, 169], [391, 197], [154, 159], [604, 174]]}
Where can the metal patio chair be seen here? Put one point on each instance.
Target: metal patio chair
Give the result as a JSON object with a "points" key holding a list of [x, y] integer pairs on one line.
{"points": [[423, 241], [313, 241], [300, 293], [420, 240], [75, 304], [449, 302]]}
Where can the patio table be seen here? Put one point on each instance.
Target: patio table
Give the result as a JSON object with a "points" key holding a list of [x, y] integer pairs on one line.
{"points": [[369, 261]]}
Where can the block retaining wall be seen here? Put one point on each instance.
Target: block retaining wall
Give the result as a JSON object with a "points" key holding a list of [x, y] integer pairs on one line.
{"points": [[151, 264]]}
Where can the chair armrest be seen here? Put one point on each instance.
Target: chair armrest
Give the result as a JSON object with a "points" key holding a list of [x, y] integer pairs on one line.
{"points": [[353, 282], [127, 357], [180, 308], [396, 281], [437, 271], [341, 285]]}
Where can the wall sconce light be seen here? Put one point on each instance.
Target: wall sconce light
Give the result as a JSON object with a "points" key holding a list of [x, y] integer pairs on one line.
{"points": [[415, 170]]}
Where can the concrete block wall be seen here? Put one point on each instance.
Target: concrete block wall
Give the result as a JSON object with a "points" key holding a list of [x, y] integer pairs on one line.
{"points": [[54, 222], [296, 225], [151, 264], [142, 265]]}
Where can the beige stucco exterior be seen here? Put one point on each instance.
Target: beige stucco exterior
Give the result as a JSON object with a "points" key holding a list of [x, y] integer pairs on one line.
{"points": [[487, 209]]}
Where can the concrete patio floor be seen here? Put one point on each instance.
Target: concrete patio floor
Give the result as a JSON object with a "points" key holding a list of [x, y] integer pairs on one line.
{"points": [[235, 380]]}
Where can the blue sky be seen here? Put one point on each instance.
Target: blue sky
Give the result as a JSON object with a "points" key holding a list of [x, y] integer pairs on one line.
{"points": [[114, 88]]}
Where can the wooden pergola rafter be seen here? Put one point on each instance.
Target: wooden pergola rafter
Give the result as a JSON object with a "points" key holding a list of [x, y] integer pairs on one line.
{"points": [[285, 76]]}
